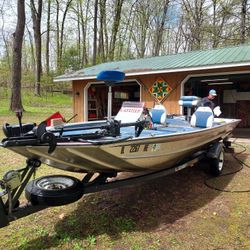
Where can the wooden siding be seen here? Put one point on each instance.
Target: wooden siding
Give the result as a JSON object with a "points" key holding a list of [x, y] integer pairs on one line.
{"points": [[78, 100], [146, 81]]}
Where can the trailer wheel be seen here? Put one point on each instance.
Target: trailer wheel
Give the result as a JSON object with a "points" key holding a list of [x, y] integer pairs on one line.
{"points": [[216, 164], [54, 190]]}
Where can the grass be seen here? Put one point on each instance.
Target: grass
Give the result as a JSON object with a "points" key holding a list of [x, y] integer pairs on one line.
{"points": [[174, 212], [34, 105]]}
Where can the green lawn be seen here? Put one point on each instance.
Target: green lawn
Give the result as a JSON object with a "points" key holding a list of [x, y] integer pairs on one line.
{"points": [[46, 104], [174, 212]]}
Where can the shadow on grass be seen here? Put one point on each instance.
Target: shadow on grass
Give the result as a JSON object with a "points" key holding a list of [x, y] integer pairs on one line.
{"points": [[146, 207]]}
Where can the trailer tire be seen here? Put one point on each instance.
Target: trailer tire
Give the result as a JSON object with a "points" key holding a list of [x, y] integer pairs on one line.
{"points": [[54, 190], [216, 164]]}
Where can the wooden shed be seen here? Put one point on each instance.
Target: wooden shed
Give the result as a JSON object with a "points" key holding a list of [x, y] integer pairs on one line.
{"points": [[164, 79]]}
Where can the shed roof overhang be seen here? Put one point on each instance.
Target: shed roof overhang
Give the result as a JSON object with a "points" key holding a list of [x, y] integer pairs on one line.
{"points": [[151, 72], [221, 58]]}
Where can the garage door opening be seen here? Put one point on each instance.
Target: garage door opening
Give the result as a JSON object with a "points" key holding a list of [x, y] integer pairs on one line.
{"points": [[233, 93], [97, 98]]}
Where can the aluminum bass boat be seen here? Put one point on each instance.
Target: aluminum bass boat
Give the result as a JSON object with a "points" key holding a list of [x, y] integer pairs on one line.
{"points": [[135, 140], [150, 143], [107, 147]]}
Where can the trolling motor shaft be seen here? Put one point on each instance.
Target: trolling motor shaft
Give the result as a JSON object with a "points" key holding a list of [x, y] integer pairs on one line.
{"points": [[19, 115]]}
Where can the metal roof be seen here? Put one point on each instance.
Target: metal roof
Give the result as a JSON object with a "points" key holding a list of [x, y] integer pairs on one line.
{"points": [[194, 60]]}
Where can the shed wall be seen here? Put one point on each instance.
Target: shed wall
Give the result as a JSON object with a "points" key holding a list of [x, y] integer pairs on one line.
{"points": [[146, 81]]}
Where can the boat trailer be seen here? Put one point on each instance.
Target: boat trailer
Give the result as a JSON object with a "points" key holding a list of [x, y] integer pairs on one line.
{"points": [[56, 190]]}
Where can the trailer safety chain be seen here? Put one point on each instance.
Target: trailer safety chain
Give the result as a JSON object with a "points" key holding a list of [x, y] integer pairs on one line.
{"points": [[242, 165]]}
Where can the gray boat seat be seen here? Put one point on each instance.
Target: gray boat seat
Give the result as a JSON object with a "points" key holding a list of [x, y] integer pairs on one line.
{"points": [[189, 102], [203, 117]]}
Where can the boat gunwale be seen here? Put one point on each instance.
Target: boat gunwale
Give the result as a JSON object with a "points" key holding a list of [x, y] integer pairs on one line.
{"points": [[169, 136], [141, 140]]}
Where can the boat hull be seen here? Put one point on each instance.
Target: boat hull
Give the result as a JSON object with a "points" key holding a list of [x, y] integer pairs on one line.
{"points": [[154, 152]]}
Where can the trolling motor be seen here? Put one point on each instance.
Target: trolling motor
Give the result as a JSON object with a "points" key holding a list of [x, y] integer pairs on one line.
{"points": [[18, 135], [19, 115], [18, 130]]}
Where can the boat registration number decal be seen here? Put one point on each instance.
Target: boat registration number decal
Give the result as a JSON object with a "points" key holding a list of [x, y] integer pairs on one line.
{"points": [[155, 147], [134, 148]]}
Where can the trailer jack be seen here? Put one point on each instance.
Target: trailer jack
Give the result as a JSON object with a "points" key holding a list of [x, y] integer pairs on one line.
{"points": [[13, 184]]}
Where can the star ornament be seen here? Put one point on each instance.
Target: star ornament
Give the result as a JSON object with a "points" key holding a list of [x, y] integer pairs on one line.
{"points": [[160, 89]]}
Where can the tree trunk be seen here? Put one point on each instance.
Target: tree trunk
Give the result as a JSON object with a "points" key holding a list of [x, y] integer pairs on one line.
{"points": [[58, 53], [159, 30], [101, 49], [48, 39], [115, 28], [243, 21], [95, 32], [60, 33], [32, 53], [140, 29], [36, 18], [79, 39], [84, 24], [16, 101], [126, 35], [5, 41], [62, 28], [195, 20]]}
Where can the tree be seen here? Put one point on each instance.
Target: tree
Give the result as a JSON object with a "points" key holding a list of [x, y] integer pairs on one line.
{"points": [[140, 26], [84, 25], [60, 32], [243, 21], [125, 32], [221, 13], [4, 38], [31, 53], [102, 29], [48, 38], [36, 18], [15, 101], [95, 32], [160, 26], [115, 28], [195, 12]]}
